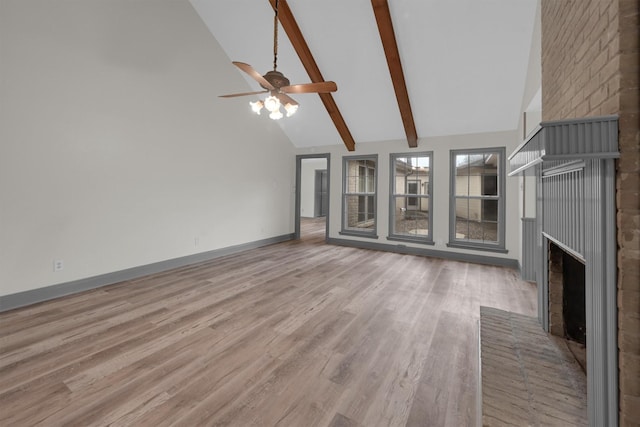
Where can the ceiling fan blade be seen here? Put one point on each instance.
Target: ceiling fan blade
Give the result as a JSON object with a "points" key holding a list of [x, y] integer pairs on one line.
{"points": [[321, 87], [286, 99], [253, 73], [233, 95]]}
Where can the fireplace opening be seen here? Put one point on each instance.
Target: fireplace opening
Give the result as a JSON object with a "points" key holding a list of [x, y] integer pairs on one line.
{"points": [[567, 305], [573, 299]]}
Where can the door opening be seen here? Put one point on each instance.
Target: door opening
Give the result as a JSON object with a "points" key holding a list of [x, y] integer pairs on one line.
{"points": [[312, 196]]}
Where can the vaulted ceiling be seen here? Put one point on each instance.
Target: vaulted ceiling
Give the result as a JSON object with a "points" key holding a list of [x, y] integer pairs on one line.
{"points": [[405, 69]]}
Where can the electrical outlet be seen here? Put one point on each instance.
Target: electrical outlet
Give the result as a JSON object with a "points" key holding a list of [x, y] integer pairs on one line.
{"points": [[196, 241], [58, 265]]}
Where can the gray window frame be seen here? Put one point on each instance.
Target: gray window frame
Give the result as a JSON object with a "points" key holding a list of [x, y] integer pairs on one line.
{"points": [[454, 242], [373, 232], [428, 239]]}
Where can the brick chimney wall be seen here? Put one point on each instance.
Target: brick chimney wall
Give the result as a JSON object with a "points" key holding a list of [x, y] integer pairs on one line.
{"points": [[591, 67]]}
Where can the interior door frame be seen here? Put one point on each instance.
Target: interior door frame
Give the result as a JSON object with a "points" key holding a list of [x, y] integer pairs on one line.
{"points": [[299, 158]]}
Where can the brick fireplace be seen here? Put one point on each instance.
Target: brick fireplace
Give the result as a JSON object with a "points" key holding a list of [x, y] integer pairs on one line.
{"points": [[590, 67]]}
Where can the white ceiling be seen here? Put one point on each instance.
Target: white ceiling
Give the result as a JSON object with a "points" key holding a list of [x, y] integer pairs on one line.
{"points": [[464, 62]]}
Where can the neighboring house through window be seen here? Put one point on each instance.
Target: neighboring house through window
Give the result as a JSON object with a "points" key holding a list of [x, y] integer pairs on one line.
{"points": [[410, 197], [359, 195], [477, 208]]}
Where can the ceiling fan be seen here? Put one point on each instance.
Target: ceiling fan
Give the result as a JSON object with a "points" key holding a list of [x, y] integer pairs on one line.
{"points": [[277, 85]]}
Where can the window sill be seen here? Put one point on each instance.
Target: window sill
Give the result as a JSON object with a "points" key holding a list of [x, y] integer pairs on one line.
{"points": [[471, 246], [358, 234], [411, 240]]}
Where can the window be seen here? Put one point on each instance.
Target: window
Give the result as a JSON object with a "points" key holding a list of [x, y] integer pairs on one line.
{"points": [[359, 196], [477, 201], [410, 197]]}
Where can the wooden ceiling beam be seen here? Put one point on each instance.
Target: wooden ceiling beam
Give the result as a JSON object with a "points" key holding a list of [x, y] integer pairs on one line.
{"points": [[388, 37], [290, 26]]}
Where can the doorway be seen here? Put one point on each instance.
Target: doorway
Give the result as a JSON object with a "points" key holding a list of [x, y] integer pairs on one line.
{"points": [[312, 195]]}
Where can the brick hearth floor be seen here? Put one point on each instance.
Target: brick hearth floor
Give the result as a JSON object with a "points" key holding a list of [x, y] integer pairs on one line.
{"points": [[528, 377]]}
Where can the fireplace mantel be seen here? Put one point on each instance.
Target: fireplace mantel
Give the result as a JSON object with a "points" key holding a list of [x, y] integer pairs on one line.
{"points": [[567, 140]]}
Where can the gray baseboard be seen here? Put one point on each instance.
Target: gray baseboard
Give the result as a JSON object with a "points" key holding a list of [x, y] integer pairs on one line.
{"points": [[410, 250], [21, 299]]}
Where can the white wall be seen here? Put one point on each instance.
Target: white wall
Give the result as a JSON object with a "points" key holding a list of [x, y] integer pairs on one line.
{"points": [[115, 150], [441, 147], [307, 185], [532, 106], [531, 98]]}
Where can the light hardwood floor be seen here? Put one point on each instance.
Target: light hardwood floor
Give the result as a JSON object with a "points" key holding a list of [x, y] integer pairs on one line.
{"points": [[294, 334]]}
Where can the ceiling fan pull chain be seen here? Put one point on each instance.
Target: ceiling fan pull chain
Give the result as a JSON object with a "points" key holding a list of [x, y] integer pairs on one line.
{"points": [[275, 38]]}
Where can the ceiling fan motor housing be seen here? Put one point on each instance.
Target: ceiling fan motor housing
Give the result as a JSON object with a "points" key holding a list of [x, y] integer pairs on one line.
{"points": [[276, 78]]}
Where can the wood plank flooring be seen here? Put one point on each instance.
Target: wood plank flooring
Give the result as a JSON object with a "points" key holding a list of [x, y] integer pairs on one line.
{"points": [[294, 334]]}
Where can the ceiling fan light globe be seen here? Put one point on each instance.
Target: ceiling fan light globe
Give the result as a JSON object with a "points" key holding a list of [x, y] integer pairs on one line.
{"points": [[256, 106], [275, 115], [272, 103], [291, 109]]}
